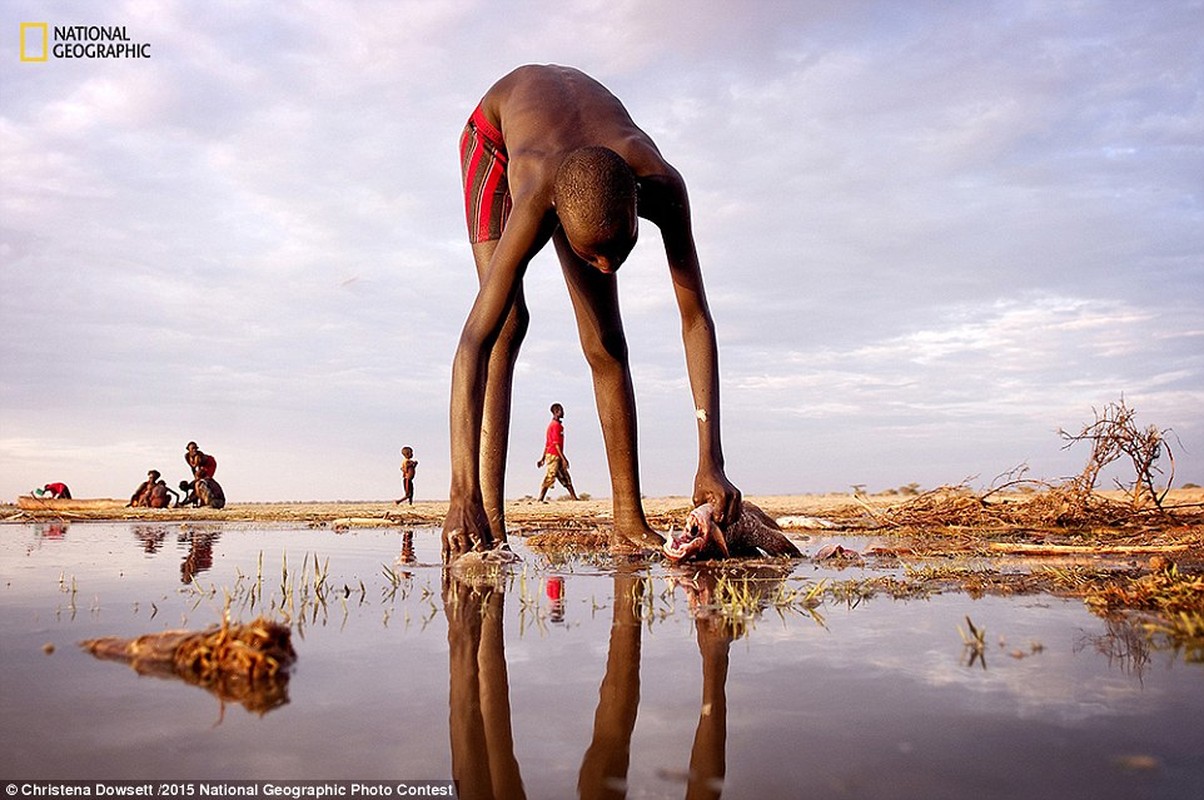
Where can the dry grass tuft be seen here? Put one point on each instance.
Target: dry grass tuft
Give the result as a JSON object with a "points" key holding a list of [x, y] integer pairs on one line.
{"points": [[241, 663], [1174, 601]]}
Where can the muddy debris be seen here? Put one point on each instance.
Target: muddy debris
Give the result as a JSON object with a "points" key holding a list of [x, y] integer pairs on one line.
{"points": [[240, 663]]}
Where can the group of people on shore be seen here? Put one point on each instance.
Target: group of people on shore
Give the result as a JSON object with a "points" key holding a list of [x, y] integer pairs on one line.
{"points": [[202, 491]]}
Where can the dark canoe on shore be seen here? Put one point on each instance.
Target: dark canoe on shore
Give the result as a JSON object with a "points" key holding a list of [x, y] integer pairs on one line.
{"points": [[30, 503]]}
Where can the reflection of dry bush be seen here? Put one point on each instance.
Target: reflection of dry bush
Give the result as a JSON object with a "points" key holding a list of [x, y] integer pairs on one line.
{"points": [[1074, 503], [246, 664], [1175, 600], [1123, 643]]}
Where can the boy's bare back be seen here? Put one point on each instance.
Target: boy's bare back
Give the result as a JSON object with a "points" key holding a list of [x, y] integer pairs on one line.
{"points": [[551, 110]]}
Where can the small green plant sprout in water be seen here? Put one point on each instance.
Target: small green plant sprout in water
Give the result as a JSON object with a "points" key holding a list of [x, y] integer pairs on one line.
{"points": [[974, 644]]}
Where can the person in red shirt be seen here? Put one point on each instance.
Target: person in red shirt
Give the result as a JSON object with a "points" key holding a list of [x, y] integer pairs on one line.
{"points": [[56, 490], [553, 459], [202, 465]]}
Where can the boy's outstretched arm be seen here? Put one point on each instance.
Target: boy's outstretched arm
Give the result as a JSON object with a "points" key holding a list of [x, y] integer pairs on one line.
{"points": [[669, 208]]}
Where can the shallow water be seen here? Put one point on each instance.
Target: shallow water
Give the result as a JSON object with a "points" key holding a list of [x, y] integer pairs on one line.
{"points": [[626, 684]]}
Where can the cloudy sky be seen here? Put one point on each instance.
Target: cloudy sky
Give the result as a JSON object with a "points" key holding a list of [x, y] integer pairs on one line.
{"points": [[932, 234]]}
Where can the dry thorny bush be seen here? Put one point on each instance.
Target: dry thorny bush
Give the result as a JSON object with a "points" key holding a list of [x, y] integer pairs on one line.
{"points": [[1113, 436]]}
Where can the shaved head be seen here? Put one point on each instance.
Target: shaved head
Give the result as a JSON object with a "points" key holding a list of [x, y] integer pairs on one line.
{"points": [[595, 194]]}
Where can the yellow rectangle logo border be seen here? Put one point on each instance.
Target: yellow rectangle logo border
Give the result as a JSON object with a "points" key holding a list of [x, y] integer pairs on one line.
{"points": [[25, 28]]}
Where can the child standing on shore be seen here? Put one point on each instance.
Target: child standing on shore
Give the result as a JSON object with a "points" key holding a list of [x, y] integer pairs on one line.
{"points": [[409, 466]]}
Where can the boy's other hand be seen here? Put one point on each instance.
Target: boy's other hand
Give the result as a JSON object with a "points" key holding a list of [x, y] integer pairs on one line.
{"points": [[712, 486]]}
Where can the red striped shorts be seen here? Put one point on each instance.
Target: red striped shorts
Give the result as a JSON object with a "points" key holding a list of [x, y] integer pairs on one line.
{"points": [[483, 167]]}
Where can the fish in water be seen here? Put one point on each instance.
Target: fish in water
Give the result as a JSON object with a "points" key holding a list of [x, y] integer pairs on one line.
{"points": [[755, 533]]}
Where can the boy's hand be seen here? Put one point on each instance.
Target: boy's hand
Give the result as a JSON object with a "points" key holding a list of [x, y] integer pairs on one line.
{"points": [[712, 486], [540, 462]]}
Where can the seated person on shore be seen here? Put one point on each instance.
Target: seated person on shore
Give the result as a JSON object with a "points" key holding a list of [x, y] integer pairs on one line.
{"points": [[550, 155], [203, 493], [152, 493]]}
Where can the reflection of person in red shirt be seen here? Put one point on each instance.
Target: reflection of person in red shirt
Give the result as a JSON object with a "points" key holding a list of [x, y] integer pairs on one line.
{"points": [[553, 459]]}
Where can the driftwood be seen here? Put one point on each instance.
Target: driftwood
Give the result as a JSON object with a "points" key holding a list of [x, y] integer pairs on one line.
{"points": [[30, 503], [246, 664], [1086, 550], [364, 522]]}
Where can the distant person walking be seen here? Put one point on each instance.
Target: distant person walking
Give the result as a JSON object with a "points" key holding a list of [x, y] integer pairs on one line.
{"points": [[409, 468], [555, 463]]}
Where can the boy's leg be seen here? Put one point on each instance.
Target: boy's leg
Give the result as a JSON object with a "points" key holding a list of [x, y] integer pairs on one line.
{"points": [[495, 422], [566, 480], [549, 475], [596, 304]]}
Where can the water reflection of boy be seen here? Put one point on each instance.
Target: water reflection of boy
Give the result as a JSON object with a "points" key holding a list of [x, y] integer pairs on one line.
{"points": [[482, 739], [555, 591], [407, 548]]}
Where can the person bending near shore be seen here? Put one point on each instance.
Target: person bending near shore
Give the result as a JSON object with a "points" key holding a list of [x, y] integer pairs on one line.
{"points": [[54, 491], [550, 155], [554, 461]]}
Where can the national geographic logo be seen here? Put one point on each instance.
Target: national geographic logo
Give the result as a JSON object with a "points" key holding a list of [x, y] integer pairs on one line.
{"points": [[78, 42]]}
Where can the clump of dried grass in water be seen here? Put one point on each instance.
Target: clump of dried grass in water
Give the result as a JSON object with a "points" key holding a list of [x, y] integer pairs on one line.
{"points": [[1175, 599], [242, 663]]}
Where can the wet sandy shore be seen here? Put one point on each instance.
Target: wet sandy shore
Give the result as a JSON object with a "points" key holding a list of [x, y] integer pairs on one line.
{"points": [[521, 514], [839, 511]]}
